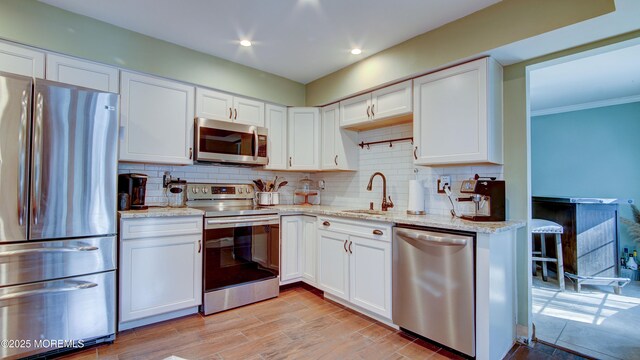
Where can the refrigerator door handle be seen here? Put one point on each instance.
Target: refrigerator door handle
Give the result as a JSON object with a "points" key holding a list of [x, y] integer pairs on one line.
{"points": [[22, 154], [21, 294], [37, 156], [49, 250]]}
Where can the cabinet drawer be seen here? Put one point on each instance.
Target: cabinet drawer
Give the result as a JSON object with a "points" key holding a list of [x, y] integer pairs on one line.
{"points": [[366, 229], [162, 226]]}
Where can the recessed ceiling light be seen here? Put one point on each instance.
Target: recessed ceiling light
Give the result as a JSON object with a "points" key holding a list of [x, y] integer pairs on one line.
{"points": [[245, 43], [356, 51]]}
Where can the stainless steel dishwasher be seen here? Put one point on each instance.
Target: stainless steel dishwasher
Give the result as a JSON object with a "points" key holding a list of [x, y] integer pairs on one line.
{"points": [[434, 287]]}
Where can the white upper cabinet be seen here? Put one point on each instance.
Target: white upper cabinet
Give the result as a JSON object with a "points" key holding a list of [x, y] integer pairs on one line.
{"points": [[458, 115], [276, 123], [382, 107], [156, 120], [355, 110], [339, 146], [82, 73], [21, 60], [391, 101], [304, 138], [217, 105], [248, 112], [214, 105]]}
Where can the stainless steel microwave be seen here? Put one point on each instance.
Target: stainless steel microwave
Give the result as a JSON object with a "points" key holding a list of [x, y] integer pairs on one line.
{"points": [[226, 142]]}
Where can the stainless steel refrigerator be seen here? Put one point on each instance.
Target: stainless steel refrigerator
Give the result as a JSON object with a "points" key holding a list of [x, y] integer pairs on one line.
{"points": [[58, 169]]}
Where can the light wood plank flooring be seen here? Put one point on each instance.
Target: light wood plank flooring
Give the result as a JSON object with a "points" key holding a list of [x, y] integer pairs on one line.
{"points": [[299, 324]]}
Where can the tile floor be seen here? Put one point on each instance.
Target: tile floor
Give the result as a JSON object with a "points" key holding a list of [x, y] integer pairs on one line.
{"points": [[594, 322], [299, 324]]}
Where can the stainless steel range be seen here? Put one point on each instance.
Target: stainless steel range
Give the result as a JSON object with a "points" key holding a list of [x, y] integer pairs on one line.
{"points": [[242, 246]]}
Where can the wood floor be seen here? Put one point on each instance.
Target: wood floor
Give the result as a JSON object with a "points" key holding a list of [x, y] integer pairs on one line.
{"points": [[299, 324]]}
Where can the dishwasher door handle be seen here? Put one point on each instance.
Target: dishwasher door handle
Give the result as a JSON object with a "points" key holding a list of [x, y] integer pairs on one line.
{"points": [[435, 240]]}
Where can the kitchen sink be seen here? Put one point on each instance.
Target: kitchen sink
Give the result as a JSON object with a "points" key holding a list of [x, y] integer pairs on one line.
{"points": [[370, 212]]}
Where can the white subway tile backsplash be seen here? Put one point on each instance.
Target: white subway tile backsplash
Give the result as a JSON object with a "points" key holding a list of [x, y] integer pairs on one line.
{"points": [[349, 188]]}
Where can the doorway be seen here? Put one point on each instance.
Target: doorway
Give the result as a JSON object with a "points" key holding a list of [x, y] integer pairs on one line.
{"points": [[585, 177]]}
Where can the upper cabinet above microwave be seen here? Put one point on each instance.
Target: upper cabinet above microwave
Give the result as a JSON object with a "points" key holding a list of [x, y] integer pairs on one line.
{"points": [[382, 107], [216, 105], [457, 116]]}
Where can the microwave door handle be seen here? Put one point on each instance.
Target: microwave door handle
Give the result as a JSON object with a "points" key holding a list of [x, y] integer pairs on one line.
{"points": [[255, 143]]}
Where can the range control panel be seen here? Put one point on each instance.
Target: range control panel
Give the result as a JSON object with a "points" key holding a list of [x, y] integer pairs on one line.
{"points": [[219, 191]]}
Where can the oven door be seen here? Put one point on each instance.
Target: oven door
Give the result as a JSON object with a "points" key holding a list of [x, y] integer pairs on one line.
{"points": [[240, 250], [221, 141]]}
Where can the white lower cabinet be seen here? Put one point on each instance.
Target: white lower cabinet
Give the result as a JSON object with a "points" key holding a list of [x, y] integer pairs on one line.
{"points": [[298, 249], [160, 268], [355, 263]]}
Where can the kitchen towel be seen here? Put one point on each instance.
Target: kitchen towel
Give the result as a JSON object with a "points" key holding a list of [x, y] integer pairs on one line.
{"points": [[416, 196]]}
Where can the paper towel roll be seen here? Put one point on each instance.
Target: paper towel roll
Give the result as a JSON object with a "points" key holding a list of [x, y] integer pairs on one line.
{"points": [[416, 197]]}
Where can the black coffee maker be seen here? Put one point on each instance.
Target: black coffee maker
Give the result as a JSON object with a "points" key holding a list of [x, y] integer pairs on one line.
{"points": [[135, 185], [488, 195]]}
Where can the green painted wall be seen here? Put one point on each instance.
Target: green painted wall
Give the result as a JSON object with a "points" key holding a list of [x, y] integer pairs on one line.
{"points": [[501, 24], [589, 153], [36, 24]]}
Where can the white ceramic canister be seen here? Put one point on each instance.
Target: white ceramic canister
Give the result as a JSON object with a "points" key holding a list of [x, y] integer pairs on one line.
{"points": [[264, 198]]}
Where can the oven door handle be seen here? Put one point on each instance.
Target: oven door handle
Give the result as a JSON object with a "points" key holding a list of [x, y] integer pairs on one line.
{"points": [[217, 223]]}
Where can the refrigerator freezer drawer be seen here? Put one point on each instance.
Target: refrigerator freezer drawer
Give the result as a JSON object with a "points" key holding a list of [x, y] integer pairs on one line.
{"points": [[72, 309], [45, 260]]}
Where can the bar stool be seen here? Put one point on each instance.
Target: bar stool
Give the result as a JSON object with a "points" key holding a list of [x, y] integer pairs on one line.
{"points": [[544, 227]]}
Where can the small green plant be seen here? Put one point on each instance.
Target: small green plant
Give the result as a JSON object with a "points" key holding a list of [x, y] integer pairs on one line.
{"points": [[633, 226]]}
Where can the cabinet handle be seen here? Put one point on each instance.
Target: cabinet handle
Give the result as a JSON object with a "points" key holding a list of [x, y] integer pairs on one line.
{"points": [[326, 223], [350, 243], [230, 113], [235, 116], [368, 114], [289, 161], [335, 160], [415, 153], [372, 107], [377, 232], [199, 246], [190, 153], [345, 246]]}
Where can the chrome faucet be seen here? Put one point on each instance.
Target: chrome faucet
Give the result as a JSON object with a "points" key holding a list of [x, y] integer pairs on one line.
{"points": [[385, 204]]}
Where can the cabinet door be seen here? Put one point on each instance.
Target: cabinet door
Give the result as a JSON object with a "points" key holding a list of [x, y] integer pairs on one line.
{"points": [[290, 249], [214, 105], [370, 274], [333, 263], [21, 60], [159, 275], [451, 116], [304, 138], [356, 110], [309, 250], [82, 73], [276, 123], [330, 121], [391, 101], [248, 112], [156, 120]]}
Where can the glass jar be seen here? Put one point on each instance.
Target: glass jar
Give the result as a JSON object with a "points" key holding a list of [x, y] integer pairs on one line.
{"points": [[177, 193], [306, 193]]}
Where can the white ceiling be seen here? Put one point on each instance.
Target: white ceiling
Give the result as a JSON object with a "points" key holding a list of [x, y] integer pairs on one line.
{"points": [[597, 80], [301, 40]]}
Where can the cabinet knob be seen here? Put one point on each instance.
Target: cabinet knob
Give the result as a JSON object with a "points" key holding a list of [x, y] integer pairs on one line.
{"points": [[415, 153], [326, 223], [230, 113], [235, 116], [289, 161], [372, 113], [335, 160], [377, 232], [190, 153], [350, 243], [199, 246], [368, 113], [345, 246]]}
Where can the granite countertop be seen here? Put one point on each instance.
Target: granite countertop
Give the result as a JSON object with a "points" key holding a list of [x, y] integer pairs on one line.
{"points": [[157, 211], [400, 217]]}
